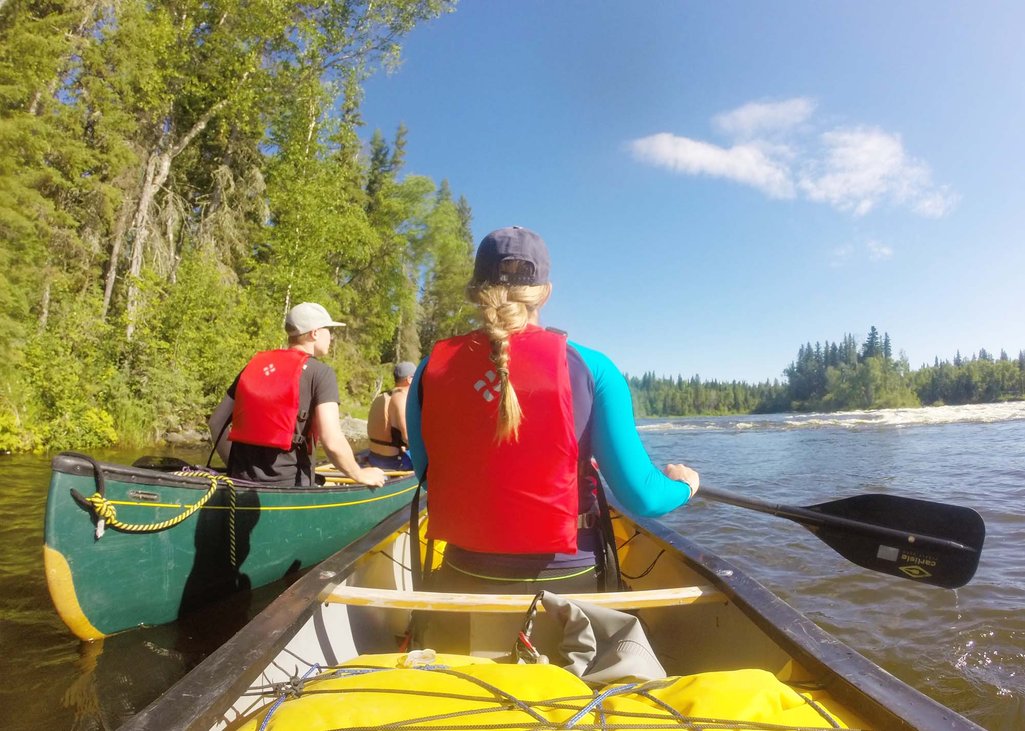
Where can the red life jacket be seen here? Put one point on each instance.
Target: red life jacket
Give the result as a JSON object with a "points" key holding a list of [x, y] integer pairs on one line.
{"points": [[509, 496], [267, 399]]}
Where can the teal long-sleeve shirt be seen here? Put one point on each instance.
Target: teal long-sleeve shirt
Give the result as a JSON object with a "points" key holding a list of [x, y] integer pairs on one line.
{"points": [[638, 485]]}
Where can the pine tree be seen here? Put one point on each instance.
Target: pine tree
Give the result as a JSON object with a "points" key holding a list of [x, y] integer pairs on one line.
{"points": [[871, 347], [447, 265]]}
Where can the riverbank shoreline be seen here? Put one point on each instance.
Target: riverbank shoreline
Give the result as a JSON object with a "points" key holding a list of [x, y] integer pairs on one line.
{"points": [[355, 430]]}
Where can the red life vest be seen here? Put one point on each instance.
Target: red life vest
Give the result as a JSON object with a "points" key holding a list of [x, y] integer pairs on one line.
{"points": [[267, 399], [509, 496]]}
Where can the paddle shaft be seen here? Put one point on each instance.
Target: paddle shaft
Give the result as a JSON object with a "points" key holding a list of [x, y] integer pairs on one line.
{"points": [[815, 518], [342, 475]]}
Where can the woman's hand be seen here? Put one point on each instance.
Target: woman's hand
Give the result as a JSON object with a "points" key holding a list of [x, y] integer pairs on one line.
{"points": [[683, 473]]}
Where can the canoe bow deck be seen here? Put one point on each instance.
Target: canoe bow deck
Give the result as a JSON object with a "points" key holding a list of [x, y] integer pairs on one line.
{"points": [[700, 613]]}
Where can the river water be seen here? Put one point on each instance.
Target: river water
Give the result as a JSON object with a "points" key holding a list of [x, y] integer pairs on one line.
{"points": [[964, 647]]}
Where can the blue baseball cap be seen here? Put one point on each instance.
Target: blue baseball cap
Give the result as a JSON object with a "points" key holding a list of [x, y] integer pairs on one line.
{"points": [[511, 256], [405, 369]]}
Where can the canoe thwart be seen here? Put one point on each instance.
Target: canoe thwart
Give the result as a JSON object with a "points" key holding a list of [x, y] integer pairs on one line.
{"points": [[445, 602]]}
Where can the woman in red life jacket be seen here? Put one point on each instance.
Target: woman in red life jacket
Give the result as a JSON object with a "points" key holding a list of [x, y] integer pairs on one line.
{"points": [[503, 426], [281, 404]]}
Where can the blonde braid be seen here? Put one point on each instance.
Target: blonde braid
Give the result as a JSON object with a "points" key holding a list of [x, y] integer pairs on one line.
{"points": [[506, 310]]}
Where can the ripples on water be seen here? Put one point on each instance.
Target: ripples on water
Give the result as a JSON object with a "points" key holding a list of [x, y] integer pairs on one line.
{"points": [[971, 414], [966, 648]]}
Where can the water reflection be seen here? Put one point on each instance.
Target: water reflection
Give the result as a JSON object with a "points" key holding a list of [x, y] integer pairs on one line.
{"points": [[81, 696], [119, 676]]}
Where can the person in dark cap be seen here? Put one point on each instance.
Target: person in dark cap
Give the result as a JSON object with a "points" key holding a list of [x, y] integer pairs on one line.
{"points": [[281, 404], [509, 418], [386, 423]]}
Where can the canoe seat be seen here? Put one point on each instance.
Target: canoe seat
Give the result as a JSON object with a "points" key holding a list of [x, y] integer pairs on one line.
{"points": [[431, 601]]}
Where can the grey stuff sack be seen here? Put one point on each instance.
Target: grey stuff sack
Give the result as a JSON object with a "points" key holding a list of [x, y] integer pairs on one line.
{"points": [[602, 645]]}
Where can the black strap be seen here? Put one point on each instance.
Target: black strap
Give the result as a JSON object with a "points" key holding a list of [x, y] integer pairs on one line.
{"points": [[420, 571], [101, 483], [414, 519], [611, 575], [227, 423], [298, 438], [415, 567], [428, 569]]}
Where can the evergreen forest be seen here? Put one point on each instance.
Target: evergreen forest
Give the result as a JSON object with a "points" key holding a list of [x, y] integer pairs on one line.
{"points": [[841, 376], [174, 176]]}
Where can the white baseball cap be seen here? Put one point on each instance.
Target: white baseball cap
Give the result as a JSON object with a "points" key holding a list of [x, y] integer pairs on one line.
{"points": [[308, 316]]}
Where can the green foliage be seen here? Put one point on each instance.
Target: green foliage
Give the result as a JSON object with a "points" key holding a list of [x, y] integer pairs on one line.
{"points": [[653, 396], [64, 369], [82, 427], [172, 178], [12, 439], [980, 379], [843, 376], [446, 258], [840, 376]]}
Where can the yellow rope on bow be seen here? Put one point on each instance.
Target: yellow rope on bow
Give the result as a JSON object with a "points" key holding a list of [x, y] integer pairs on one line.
{"points": [[106, 511], [215, 478]]}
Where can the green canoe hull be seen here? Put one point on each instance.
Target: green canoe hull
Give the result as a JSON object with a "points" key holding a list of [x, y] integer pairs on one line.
{"points": [[122, 579]]}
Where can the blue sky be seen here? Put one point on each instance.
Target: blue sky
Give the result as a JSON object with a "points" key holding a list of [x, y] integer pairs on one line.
{"points": [[720, 182]]}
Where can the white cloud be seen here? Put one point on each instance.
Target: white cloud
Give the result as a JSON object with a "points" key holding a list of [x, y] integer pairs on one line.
{"points": [[776, 150], [751, 119], [878, 251], [873, 250], [747, 164], [857, 169], [841, 255], [936, 203]]}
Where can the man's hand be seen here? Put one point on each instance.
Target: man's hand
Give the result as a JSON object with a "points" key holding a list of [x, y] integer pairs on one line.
{"points": [[370, 476]]}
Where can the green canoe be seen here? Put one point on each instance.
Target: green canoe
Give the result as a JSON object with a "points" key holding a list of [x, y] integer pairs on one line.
{"points": [[169, 542]]}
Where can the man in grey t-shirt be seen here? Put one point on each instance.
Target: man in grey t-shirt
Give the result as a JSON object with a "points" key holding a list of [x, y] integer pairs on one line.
{"points": [[309, 336]]}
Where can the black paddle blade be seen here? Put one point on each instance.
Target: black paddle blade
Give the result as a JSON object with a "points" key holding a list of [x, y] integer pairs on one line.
{"points": [[928, 542], [921, 540]]}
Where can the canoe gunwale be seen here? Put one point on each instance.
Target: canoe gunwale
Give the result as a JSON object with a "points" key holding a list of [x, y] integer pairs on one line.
{"points": [[897, 705], [199, 700], [72, 465]]}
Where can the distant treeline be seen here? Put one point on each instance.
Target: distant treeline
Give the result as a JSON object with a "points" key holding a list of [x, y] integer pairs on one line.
{"points": [[840, 376]]}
